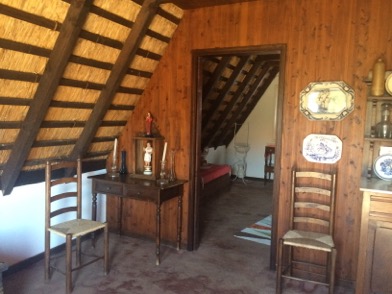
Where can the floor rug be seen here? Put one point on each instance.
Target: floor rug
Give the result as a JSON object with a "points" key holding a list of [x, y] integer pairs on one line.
{"points": [[259, 232]]}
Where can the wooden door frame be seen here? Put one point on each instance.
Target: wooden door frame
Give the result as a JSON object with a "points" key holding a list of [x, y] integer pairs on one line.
{"points": [[196, 111]]}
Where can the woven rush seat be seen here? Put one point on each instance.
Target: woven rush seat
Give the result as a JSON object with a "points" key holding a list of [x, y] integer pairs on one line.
{"points": [[311, 240], [76, 227]]}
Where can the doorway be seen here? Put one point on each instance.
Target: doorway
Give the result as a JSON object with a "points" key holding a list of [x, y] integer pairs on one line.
{"points": [[199, 139]]}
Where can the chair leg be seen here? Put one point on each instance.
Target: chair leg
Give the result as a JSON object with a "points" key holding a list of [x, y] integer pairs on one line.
{"points": [[47, 255], [106, 249], [78, 251], [68, 264], [279, 267], [332, 271]]}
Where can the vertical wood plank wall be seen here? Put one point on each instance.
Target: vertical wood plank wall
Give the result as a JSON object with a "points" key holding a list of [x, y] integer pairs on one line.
{"points": [[327, 40]]}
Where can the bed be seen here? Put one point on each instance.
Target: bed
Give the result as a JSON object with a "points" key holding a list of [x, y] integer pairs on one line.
{"points": [[214, 178]]}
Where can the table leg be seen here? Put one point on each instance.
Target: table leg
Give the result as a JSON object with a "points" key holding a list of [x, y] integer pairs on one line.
{"points": [[94, 207], [93, 216], [158, 234], [119, 215], [179, 221]]}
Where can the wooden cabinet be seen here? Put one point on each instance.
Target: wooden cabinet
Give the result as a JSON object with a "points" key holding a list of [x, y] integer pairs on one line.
{"points": [[372, 143], [374, 273]]}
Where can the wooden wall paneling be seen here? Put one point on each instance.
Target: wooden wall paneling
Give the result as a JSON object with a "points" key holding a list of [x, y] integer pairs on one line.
{"points": [[326, 40]]}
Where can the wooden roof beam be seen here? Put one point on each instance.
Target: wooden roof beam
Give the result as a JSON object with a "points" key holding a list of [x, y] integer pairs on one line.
{"points": [[249, 77], [214, 80], [63, 48], [232, 80], [244, 109], [127, 54]]}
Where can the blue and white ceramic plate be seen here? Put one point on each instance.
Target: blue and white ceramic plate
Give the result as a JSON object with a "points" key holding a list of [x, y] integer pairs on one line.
{"points": [[322, 148], [383, 167]]}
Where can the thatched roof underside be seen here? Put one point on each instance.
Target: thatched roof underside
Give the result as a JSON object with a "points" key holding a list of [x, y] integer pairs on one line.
{"points": [[71, 73], [232, 86]]}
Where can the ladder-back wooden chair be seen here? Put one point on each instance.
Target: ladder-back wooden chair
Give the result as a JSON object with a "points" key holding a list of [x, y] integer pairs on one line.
{"points": [[311, 230], [63, 200]]}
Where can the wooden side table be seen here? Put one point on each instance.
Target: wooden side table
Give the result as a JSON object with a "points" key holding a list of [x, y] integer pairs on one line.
{"points": [[269, 158], [125, 186]]}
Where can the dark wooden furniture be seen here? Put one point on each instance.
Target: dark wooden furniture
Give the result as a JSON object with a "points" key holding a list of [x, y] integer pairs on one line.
{"points": [[126, 186], [375, 243], [372, 142], [64, 198], [312, 216], [269, 159], [212, 183]]}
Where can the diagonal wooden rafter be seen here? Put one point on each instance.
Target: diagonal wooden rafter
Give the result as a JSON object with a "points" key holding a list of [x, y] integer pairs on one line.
{"points": [[214, 80], [246, 109], [233, 78], [62, 50], [241, 106], [119, 70], [223, 116]]}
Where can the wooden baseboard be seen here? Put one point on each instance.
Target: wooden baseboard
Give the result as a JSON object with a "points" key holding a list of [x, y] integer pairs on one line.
{"points": [[34, 259]]}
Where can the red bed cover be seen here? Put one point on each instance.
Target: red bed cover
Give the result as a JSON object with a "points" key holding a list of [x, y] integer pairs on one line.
{"points": [[211, 172]]}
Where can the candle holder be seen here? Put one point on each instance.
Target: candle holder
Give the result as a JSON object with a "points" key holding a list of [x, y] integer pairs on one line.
{"points": [[113, 171], [162, 175], [172, 173]]}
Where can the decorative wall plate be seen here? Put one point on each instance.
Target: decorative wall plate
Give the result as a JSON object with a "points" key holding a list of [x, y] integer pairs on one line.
{"points": [[383, 167], [322, 148], [327, 100]]}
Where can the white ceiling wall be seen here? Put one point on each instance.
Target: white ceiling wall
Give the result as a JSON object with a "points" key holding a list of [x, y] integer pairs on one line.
{"points": [[261, 123]]}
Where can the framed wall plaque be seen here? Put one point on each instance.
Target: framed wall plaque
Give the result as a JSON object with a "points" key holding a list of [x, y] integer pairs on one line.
{"points": [[327, 100], [322, 148]]}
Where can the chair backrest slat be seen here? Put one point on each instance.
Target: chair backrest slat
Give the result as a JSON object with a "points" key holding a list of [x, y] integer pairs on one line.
{"points": [[312, 205], [313, 201], [61, 181], [314, 190], [65, 190], [63, 196], [63, 210], [310, 220]]}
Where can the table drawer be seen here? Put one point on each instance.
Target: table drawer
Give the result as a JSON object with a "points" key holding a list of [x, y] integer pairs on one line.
{"points": [[108, 188], [141, 193]]}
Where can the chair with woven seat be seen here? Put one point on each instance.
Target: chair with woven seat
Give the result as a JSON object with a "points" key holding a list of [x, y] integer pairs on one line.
{"points": [[63, 217], [308, 245]]}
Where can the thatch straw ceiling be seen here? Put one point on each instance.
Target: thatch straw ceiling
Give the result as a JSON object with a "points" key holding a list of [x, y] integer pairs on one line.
{"points": [[71, 73]]}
